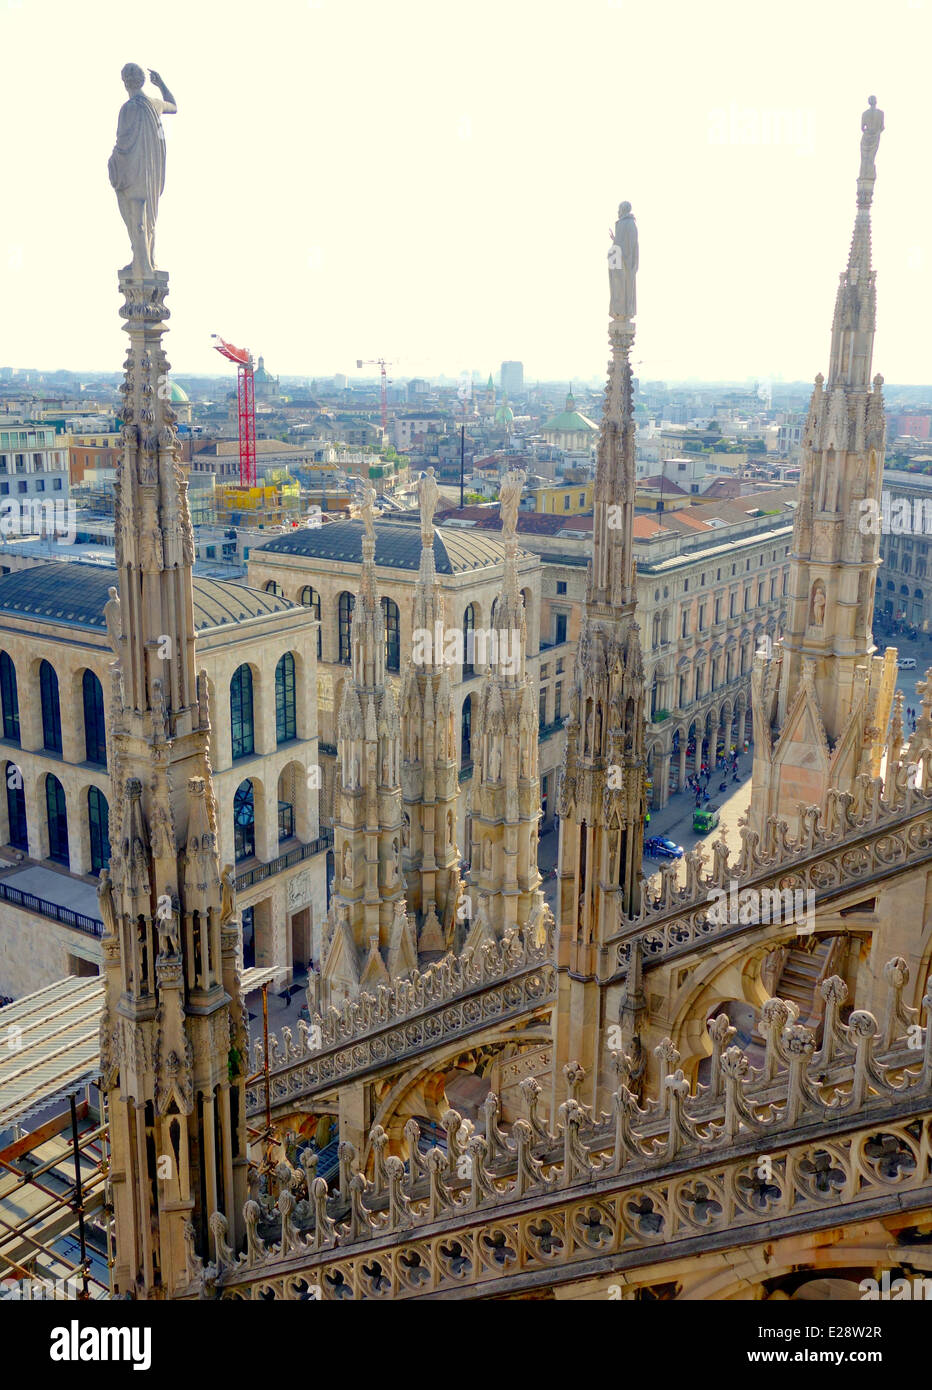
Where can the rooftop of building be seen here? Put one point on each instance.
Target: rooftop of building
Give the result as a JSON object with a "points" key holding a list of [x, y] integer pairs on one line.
{"points": [[224, 448], [397, 546], [663, 484], [75, 593], [724, 489], [489, 518]]}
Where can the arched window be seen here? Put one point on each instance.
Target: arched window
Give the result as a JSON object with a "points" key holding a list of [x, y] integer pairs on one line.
{"points": [[466, 733], [244, 822], [310, 598], [285, 722], [98, 819], [16, 808], [57, 820], [345, 611], [469, 626], [51, 711], [241, 720], [95, 733], [276, 589], [9, 699], [392, 635]]}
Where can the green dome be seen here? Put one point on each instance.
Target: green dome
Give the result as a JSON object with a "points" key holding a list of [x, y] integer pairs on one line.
{"points": [[504, 415], [179, 395], [570, 419]]}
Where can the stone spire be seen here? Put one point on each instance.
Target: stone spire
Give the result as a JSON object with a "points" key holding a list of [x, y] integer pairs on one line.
{"points": [[173, 1032], [367, 928], [602, 796], [504, 881], [825, 688], [429, 776]]}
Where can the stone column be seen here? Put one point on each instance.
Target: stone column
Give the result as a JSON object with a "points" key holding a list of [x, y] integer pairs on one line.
{"points": [[683, 743], [661, 779], [263, 710], [266, 828], [79, 859], [30, 713]]}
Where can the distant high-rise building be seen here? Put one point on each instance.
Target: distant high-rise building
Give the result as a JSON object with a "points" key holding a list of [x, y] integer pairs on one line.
{"points": [[512, 378]]}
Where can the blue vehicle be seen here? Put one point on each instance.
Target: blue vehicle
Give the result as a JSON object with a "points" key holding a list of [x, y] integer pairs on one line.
{"points": [[660, 847]]}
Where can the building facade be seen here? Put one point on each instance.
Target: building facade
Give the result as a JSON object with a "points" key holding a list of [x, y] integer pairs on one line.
{"points": [[33, 463], [321, 567], [260, 656]]}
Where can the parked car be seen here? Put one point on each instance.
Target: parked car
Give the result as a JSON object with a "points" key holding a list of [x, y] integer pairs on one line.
{"points": [[908, 663], [660, 847]]}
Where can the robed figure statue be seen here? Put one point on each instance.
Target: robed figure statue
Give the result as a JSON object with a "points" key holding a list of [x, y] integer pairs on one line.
{"points": [[623, 265], [871, 128], [137, 165]]}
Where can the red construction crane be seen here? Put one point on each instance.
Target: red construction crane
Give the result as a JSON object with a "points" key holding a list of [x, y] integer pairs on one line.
{"points": [[246, 399], [379, 362]]}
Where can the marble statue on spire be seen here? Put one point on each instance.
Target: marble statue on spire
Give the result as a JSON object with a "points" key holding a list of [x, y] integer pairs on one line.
{"points": [[623, 265], [510, 500], [871, 126], [428, 495], [366, 511], [137, 165]]}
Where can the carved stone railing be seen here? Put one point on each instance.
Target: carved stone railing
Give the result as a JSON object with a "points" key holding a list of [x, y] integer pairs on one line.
{"points": [[449, 999], [862, 837], [811, 1139]]}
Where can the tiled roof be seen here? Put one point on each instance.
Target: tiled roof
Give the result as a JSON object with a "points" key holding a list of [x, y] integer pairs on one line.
{"points": [[532, 523], [224, 448], [664, 484]]}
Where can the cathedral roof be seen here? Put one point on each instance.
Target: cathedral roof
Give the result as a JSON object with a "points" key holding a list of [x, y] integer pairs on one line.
{"points": [[397, 546], [74, 593]]}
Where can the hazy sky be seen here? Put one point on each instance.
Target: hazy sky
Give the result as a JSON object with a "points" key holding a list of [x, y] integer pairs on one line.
{"points": [[435, 182]]}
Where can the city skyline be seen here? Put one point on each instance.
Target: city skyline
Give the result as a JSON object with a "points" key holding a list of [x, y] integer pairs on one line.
{"points": [[318, 213]]}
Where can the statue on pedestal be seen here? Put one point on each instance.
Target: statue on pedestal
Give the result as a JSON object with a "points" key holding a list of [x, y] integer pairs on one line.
{"points": [[137, 165], [428, 495], [113, 620], [623, 265], [366, 512], [871, 126], [227, 895], [509, 501]]}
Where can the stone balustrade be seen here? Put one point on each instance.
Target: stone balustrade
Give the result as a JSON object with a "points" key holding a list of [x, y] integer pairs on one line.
{"points": [[758, 1151], [448, 999]]}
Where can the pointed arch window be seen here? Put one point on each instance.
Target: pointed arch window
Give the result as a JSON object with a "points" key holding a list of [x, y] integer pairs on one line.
{"points": [[469, 627], [9, 698], [57, 813], [466, 733], [95, 731], [242, 725], [392, 635], [51, 709], [98, 819], [347, 602], [16, 808], [285, 719]]}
